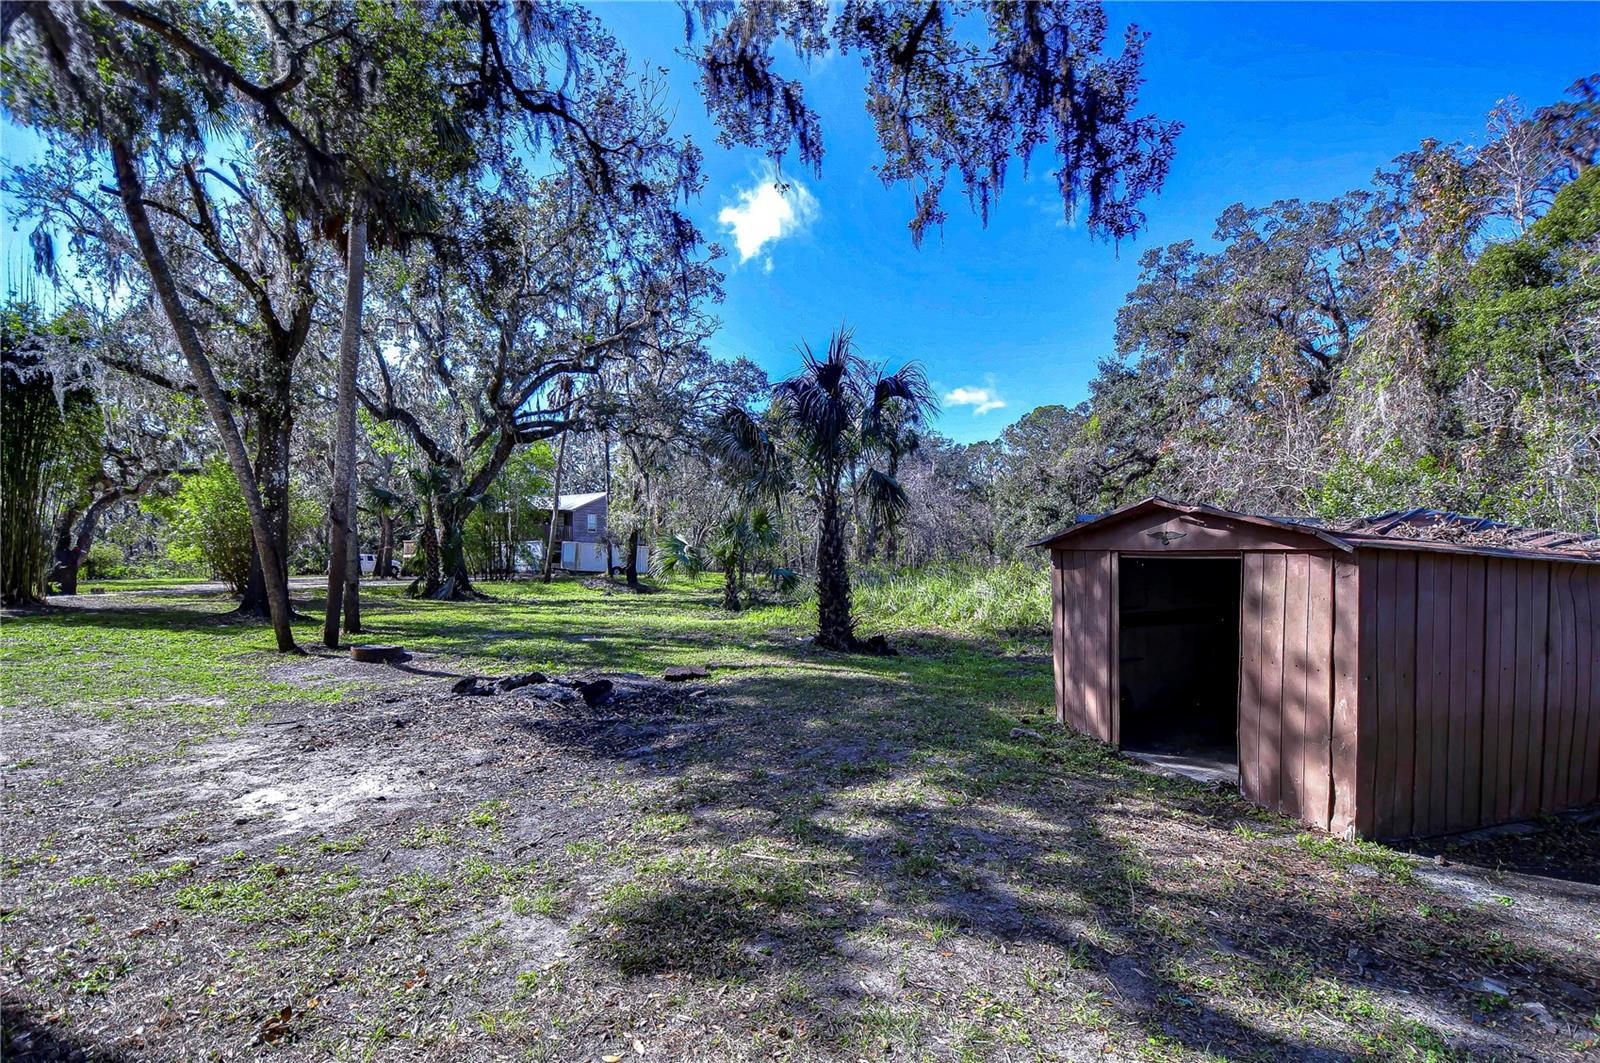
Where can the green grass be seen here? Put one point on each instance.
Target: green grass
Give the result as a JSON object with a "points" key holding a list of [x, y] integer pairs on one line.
{"points": [[1004, 599], [163, 658], [843, 811], [186, 657]]}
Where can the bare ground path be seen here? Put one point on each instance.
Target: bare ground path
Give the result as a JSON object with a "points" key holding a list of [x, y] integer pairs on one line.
{"points": [[805, 856]]}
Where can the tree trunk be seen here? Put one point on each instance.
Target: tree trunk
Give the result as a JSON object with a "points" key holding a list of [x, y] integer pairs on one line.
{"points": [[457, 583], [834, 627], [274, 428], [730, 584], [891, 528], [385, 546], [131, 191], [342, 517], [430, 550], [869, 530], [632, 566], [555, 508], [67, 559], [605, 440], [352, 571]]}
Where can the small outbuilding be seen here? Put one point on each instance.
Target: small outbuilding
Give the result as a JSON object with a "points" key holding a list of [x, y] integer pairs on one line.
{"points": [[1409, 674]]}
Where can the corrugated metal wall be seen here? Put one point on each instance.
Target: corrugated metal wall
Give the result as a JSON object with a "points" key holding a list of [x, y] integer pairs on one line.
{"points": [[1295, 667], [1400, 692], [1480, 690], [1085, 599]]}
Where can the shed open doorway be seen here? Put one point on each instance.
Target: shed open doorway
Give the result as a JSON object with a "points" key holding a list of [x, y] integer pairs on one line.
{"points": [[1179, 652]]}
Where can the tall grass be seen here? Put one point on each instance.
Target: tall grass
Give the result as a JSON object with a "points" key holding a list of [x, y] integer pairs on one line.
{"points": [[1008, 598]]}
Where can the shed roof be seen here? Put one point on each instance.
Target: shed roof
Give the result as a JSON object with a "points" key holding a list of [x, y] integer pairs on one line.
{"points": [[1411, 529]]}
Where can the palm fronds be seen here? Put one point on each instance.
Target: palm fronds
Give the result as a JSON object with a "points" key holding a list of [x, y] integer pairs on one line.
{"points": [[674, 553]]}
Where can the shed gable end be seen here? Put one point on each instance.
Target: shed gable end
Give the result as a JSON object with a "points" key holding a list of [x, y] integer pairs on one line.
{"points": [[1161, 530]]}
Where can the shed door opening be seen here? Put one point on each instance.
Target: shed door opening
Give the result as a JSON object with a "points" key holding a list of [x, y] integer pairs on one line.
{"points": [[1179, 650]]}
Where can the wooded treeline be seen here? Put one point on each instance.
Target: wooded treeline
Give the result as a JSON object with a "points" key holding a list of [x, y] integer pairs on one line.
{"points": [[408, 271], [381, 254], [1430, 340]]}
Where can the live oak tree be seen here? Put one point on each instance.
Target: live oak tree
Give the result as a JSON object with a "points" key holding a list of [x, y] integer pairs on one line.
{"points": [[541, 282], [143, 87], [147, 85], [1427, 340], [658, 407], [144, 437], [961, 88]]}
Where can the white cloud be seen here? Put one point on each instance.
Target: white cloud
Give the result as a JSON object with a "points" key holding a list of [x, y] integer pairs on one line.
{"points": [[766, 212], [982, 400]]}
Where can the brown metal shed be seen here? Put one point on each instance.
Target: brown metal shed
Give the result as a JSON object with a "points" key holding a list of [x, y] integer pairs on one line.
{"points": [[1411, 674]]}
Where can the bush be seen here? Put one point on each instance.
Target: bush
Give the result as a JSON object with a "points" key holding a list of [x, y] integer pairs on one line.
{"points": [[310, 560], [105, 561], [210, 524]]}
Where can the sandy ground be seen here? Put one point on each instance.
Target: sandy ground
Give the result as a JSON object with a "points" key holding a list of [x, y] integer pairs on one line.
{"points": [[720, 870]]}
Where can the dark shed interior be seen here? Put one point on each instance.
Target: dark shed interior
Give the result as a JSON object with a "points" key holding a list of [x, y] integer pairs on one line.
{"points": [[1179, 634]]}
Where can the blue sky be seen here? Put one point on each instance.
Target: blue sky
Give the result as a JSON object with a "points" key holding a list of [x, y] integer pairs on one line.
{"points": [[1278, 101]]}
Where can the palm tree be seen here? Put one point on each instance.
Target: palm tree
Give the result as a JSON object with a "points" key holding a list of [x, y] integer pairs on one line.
{"points": [[387, 506], [429, 483], [832, 414], [897, 434], [742, 533]]}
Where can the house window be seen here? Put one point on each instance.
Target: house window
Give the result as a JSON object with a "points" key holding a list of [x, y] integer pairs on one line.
{"points": [[593, 522]]}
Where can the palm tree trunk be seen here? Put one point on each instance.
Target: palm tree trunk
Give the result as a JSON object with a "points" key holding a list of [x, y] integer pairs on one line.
{"points": [[632, 567], [352, 571], [340, 512], [834, 627], [430, 550], [131, 191], [730, 584]]}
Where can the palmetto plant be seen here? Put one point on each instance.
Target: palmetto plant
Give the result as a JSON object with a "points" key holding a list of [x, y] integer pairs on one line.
{"points": [[429, 483], [678, 554], [743, 533], [833, 416], [749, 531]]}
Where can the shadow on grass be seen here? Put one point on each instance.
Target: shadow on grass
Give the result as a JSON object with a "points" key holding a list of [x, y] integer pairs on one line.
{"points": [[24, 1038], [908, 799], [852, 804]]}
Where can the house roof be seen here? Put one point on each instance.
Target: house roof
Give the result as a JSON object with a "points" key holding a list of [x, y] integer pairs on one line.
{"points": [[571, 502], [1412, 529]]}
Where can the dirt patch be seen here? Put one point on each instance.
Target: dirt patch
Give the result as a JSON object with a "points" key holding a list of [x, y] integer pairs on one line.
{"points": [[795, 864]]}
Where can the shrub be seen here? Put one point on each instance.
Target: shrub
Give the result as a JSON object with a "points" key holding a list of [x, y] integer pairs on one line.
{"points": [[105, 561], [210, 524]]}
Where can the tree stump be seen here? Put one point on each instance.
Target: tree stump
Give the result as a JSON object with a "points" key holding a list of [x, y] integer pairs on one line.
{"points": [[378, 654]]}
